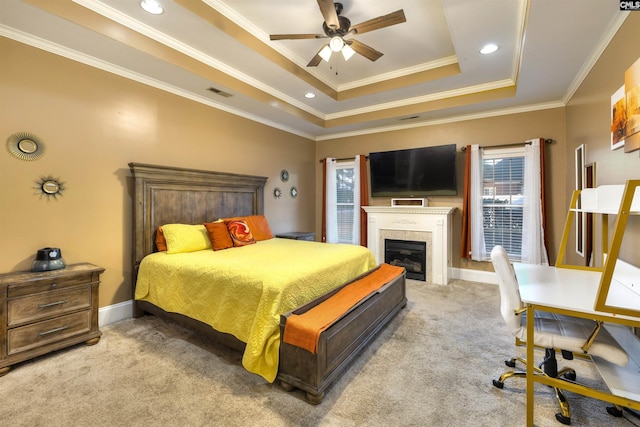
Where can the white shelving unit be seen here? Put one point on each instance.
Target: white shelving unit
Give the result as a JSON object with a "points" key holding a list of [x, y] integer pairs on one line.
{"points": [[622, 201]]}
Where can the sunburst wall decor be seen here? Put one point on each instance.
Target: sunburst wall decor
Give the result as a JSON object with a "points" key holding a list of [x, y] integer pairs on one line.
{"points": [[48, 187], [25, 146]]}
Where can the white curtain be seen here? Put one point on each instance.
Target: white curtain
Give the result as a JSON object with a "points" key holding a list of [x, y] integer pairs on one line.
{"points": [[478, 249], [533, 249], [355, 230], [332, 201]]}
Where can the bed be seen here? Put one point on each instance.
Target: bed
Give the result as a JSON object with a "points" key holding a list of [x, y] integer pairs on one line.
{"points": [[263, 283]]}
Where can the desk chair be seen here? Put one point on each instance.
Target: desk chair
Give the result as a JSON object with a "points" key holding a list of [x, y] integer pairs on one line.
{"points": [[551, 331]]}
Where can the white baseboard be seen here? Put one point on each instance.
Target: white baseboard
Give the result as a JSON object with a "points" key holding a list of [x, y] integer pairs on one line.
{"points": [[115, 313], [474, 275]]}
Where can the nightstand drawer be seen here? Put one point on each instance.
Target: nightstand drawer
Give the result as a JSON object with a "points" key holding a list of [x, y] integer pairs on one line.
{"points": [[40, 306], [48, 331], [298, 235], [44, 283]]}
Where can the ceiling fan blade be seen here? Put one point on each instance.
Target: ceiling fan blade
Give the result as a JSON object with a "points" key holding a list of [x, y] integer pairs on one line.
{"points": [[328, 10], [364, 50], [392, 18], [316, 59], [296, 36]]}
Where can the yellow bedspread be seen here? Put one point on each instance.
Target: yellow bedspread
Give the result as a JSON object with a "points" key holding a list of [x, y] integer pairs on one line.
{"points": [[243, 290]]}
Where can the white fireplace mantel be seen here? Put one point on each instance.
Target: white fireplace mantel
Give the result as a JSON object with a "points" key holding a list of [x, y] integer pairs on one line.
{"points": [[432, 221]]}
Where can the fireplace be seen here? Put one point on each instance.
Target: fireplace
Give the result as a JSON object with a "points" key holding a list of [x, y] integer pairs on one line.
{"points": [[431, 225], [409, 254]]}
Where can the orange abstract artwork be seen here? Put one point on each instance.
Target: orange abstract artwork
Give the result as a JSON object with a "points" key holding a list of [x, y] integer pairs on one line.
{"points": [[632, 85], [618, 119]]}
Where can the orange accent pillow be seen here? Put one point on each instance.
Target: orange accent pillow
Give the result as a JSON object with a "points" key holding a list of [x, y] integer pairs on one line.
{"points": [[258, 225], [161, 242], [219, 235], [240, 233]]}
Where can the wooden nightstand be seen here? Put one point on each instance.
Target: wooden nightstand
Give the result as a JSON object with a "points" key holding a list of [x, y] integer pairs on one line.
{"points": [[41, 312], [298, 235]]}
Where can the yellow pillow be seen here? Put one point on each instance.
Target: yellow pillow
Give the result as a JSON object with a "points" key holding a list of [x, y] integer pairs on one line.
{"points": [[185, 238]]}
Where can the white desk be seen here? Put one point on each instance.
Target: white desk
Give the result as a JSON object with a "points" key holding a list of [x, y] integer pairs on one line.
{"points": [[574, 292]]}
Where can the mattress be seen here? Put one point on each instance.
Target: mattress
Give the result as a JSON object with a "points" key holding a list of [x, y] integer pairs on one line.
{"points": [[243, 290]]}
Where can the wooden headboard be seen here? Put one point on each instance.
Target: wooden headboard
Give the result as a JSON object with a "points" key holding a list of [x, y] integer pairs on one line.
{"points": [[165, 195]]}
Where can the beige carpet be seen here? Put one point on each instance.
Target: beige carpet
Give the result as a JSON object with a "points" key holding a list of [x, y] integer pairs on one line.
{"points": [[432, 366]]}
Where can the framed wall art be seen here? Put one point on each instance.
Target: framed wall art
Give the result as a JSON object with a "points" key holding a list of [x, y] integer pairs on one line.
{"points": [[632, 87], [618, 118]]}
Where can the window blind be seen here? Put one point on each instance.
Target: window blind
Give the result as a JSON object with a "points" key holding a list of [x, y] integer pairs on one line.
{"points": [[502, 202], [345, 196]]}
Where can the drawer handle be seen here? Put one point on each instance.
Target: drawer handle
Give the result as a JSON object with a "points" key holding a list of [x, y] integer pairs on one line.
{"points": [[61, 328], [51, 304]]}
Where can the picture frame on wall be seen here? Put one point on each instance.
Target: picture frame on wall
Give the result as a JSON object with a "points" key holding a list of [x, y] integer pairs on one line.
{"points": [[618, 118], [632, 88]]}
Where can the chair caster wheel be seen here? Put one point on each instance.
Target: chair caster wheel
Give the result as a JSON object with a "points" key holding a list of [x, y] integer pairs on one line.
{"points": [[571, 376], [510, 363], [564, 420], [498, 384], [612, 410]]}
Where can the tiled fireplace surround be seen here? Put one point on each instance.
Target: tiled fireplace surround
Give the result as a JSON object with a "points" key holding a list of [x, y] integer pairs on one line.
{"points": [[424, 224]]}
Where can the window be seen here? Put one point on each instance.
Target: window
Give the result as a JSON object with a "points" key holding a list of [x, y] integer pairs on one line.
{"points": [[502, 201], [343, 202], [345, 181]]}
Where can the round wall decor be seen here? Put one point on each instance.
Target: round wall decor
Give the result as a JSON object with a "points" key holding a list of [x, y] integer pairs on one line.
{"points": [[277, 192], [49, 187], [25, 146]]}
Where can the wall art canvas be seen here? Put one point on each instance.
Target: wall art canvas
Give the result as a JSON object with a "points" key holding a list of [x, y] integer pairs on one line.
{"points": [[618, 118], [632, 87]]}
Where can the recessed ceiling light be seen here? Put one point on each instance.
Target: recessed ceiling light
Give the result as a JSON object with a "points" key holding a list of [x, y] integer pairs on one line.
{"points": [[488, 48], [152, 7], [309, 95]]}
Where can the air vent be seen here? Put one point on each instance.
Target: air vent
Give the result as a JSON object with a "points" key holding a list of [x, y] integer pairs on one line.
{"points": [[219, 92]]}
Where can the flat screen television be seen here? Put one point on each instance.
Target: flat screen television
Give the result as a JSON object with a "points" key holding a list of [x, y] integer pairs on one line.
{"points": [[426, 171]]}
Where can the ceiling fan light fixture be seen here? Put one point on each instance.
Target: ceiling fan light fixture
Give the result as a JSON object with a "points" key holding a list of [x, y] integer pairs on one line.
{"points": [[152, 7], [347, 52], [325, 53], [336, 44]]}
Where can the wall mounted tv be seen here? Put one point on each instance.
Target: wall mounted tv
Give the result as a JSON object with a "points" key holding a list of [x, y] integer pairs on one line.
{"points": [[426, 171]]}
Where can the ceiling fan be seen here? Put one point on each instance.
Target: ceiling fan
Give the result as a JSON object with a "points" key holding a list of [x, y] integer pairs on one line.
{"points": [[336, 27]]}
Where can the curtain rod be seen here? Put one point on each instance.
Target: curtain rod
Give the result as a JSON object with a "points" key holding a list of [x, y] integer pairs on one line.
{"points": [[515, 144], [342, 159]]}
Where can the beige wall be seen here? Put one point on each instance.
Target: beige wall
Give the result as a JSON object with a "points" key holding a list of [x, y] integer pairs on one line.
{"points": [[93, 124], [588, 123], [487, 132], [586, 120]]}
